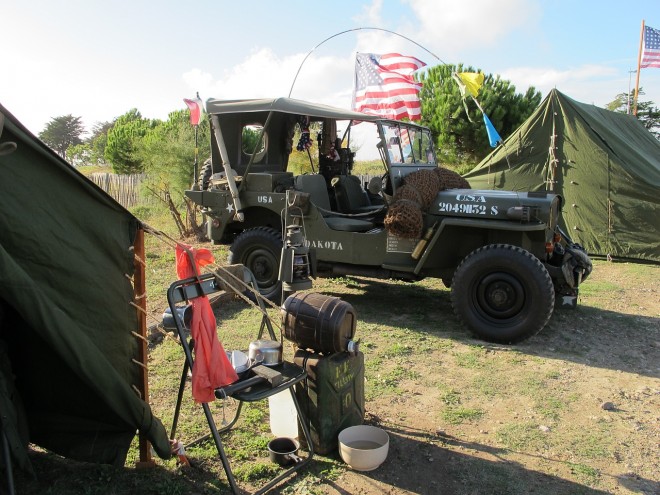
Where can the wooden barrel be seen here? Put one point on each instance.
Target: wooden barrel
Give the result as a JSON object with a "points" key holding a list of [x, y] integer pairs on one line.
{"points": [[322, 323]]}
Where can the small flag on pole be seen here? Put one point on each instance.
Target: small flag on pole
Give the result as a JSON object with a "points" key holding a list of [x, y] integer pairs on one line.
{"points": [[196, 109], [651, 52], [469, 82], [384, 86], [493, 135]]}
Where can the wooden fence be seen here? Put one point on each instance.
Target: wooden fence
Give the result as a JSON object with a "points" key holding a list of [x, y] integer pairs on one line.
{"points": [[125, 189]]}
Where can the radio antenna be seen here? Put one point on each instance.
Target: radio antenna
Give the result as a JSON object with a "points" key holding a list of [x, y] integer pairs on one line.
{"points": [[350, 31]]}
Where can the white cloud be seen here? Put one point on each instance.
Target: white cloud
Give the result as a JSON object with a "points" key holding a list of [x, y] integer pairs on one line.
{"points": [[264, 74], [453, 26], [371, 14], [597, 84]]}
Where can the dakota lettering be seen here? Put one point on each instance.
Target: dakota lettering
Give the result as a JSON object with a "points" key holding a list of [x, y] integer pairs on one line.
{"points": [[321, 244]]}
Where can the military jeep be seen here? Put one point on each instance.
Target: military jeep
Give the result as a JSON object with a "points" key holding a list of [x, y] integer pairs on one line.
{"points": [[501, 253]]}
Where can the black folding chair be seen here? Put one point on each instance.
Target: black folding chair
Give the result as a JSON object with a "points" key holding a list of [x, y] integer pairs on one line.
{"points": [[247, 388]]}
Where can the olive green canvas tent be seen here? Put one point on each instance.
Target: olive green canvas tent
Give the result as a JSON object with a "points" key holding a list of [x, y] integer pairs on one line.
{"points": [[605, 165], [68, 378]]}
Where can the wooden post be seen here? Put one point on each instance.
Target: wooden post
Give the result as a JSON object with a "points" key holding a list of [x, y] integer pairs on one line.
{"points": [[140, 293], [639, 63]]}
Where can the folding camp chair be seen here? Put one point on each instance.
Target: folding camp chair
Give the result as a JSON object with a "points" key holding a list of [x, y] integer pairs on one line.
{"points": [[246, 389]]}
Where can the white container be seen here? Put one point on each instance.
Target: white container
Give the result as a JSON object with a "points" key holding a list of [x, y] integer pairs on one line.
{"points": [[363, 447], [283, 415]]}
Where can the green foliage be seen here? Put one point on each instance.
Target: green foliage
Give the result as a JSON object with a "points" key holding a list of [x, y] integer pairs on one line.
{"points": [[647, 113], [307, 161], [370, 167], [460, 139], [167, 154], [63, 132], [250, 138], [91, 152], [123, 141], [78, 154], [98, 141]]}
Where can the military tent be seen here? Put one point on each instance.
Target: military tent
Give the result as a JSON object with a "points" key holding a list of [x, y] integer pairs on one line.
{"points": [[605, 165], [68, 376]]}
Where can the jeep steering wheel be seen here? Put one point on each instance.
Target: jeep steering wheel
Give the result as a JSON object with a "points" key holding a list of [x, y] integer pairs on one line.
{"points": [[377, 185]]}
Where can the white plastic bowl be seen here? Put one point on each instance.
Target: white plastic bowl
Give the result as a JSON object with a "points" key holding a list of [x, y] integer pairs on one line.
{"points": [[363, 447]]}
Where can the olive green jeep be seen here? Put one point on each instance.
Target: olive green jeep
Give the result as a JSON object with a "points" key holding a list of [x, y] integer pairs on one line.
{"points": [[501, 252]]}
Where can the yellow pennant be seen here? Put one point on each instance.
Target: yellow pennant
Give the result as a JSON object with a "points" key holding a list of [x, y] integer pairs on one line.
{"points": [[471, 82]]}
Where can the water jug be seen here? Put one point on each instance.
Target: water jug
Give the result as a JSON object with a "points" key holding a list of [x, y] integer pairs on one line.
{"points": [[283, 415], [332, 397]]}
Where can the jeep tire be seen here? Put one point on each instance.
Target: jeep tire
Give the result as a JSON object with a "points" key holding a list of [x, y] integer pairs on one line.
{"points": [[502, 293], [204, 176], [259, 249]]}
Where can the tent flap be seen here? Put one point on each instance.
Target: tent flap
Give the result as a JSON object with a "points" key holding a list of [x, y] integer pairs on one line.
{"points": [[66, 258]]}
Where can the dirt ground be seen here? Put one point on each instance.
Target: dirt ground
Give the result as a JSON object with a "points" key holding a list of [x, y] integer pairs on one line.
{"points": [[575, 409], [572, 410]]}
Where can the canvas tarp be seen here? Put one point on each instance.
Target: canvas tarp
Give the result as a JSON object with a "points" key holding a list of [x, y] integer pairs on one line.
{"points": [[605, 165], [66, 255]]}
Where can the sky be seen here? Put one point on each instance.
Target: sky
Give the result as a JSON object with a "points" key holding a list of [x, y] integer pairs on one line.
{"points": [[97, 59]]}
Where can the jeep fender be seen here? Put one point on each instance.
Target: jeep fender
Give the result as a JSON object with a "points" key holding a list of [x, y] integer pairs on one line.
{"points": [[473, 225]]}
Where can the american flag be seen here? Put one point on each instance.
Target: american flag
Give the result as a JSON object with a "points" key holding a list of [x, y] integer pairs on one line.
{"points": [[651, 53], [384, 85]]}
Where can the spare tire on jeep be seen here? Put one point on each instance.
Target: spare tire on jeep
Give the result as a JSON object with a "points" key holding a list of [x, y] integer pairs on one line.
{"points": [[205, 173]]}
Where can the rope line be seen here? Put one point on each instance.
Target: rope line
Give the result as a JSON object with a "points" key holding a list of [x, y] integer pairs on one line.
{"points": [[138, 336], [139, 308], [140, 260], [137, 391], [142, 365], [238, 286]]}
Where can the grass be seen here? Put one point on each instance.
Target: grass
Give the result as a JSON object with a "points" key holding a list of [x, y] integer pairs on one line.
{"points": [[449, 396], [585, 473], [593, 444], [474, 357], [523, 436], [456, 415]]}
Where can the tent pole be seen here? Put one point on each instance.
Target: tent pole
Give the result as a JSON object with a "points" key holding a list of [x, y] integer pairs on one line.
{"points": [[639, 66], [140, 295]]}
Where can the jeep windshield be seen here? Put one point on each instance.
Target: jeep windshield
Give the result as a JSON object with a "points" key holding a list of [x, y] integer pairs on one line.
{"points": [[405, 143]]}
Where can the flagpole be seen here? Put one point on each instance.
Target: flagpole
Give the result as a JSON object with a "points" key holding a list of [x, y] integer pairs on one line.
{"points": [[196, 153], [639, 64], [195, 162]]}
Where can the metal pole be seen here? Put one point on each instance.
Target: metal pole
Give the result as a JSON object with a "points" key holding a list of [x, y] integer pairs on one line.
{"points": [[639, 63], [195, 182]]}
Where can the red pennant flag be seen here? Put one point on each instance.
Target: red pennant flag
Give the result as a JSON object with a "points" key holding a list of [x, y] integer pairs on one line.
{"points": [[212, 368], [196, 109]]}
